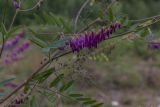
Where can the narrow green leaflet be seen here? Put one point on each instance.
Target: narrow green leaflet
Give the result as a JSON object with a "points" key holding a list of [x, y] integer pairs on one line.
{"points": [[39, 42], [83, 99], [3, 28], [14, 29], [89, 102], [56, 44], [56, 80], [38, 18], [66, 86], [75, 95], [144, 33], [44, 75], [110, 14], [59, 43], [97, 105], [65, 25], [34, 102]]}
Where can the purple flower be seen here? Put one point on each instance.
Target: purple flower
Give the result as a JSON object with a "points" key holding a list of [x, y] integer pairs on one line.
{"points": [[10, 85], [14, 41], [14, 55], [16, 4], [92, 39], [21, 48], [154, 46], [19, 101]]}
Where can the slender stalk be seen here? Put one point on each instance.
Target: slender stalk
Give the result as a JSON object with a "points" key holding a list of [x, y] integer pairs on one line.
{"points": [[32, 8], [145, 19], [90, 24], [78, 14], [13, 20], [3, 43]]}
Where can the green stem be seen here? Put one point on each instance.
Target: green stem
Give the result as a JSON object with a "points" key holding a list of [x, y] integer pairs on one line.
{"points": [[13, 20]]}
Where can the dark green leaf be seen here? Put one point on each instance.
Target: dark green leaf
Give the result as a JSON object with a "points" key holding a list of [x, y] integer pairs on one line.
{"points": [[144, 33], [97, 105], [26, 88], [34, 102], [59, 43], [75, 95], [89, 102], [38, 18], [14, 29], [66, 86], [56, 80], [3, 29], [37, 40], [83, 99], [44, 75], [110, 14]]}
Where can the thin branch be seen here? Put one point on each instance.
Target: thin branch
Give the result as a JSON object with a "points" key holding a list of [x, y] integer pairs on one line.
{"points": [[78, 14], [89, 25], [13, 20], [145, 19], [110, 5], [32, 8], [3, 43], [128, 32]]}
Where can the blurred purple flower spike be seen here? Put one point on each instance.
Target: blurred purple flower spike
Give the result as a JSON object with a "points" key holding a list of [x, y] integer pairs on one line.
{"points": [[154, 46], [93, 39], [14, 41], [16, 4], [11, 85], [14, 55]]}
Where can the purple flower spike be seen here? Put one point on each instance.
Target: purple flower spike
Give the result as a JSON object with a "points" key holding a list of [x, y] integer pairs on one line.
{"points": [[11, 43], [16, 4], [18, 101], [92, 39], [14, 55], [154, 46], [11, 85]]}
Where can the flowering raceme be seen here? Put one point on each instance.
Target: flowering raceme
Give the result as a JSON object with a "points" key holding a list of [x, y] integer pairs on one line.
{"points": [[14, 55], [11, 43], [154, 46], [16, 4], [93, 39]]}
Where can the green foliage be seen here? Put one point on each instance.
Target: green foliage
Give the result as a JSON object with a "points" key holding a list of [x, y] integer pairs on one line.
{"points": [[85, 100], [36, 39], [41, 77], [66, 86], [56, 80], [110, 14]]}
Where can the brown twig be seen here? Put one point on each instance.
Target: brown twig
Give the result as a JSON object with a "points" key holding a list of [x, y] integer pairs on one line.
{"points": [[3, 43]]}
